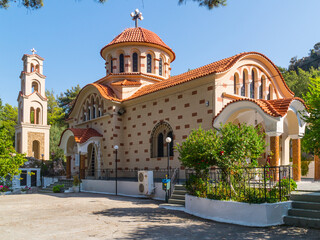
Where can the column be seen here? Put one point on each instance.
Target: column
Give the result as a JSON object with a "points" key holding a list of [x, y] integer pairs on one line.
{"points": [[316, 168], [296, 155], [274, 147], [68, 167], [82, 166]]}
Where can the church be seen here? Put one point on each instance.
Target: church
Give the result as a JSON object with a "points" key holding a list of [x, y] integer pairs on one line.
{"points": [[137, 105]]}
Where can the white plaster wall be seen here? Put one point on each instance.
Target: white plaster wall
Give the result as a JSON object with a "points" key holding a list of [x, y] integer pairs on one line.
{"points": [[258, 215], [49, 180], [126, 188], [16, 179]]}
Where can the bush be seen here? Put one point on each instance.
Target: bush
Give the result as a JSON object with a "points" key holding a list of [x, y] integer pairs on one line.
{"points": [[305, 167], [58, 188], [76, 181]]}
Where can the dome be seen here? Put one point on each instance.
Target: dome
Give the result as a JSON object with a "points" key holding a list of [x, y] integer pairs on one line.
{"points": [[139, 35]]}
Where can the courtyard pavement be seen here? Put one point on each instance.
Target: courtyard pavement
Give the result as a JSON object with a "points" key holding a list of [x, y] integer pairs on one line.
{"points": [[95, 216]]}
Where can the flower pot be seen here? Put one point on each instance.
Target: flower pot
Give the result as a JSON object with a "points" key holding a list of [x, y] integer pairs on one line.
{"points": [[75, 188], [23, 192]]}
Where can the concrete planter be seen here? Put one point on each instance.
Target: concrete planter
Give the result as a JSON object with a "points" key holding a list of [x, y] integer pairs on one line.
{"points": [[256, 215]]}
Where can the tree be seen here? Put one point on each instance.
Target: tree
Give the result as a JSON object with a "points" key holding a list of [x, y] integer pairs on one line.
{"points": [[312, 98], [66, 99], [29, 4], [299, 80], [8, 119], [228, 149], [36, 4], [55, 113], [10, 160], [55, 134], [210, 4], [307, 62]]}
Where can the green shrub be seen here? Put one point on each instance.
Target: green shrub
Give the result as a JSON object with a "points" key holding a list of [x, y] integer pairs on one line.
{"points": [[58, 188], [305, 167]]}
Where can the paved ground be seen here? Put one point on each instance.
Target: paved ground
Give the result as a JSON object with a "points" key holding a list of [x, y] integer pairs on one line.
{"points": [[93, 216]]}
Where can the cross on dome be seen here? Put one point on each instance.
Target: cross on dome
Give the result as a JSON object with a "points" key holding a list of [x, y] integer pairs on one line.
{"points": [[136, 15], [33, 51]]}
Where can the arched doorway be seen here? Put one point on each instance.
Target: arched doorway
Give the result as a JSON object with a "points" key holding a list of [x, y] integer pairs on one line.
{"points": [[36, 149], [91, 162]]}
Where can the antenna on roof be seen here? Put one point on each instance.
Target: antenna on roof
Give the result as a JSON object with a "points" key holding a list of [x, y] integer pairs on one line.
{"points": [[136, 15]]}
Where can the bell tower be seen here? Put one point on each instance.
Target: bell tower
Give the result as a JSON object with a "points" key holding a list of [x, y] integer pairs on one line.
{"points": [[32, 132]]}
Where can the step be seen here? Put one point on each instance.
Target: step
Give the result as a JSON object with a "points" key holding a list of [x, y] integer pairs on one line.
{"points": [[305, 196], [306, 205], [307, 213], [177, 196], [176, 201], [302, 221], [179, 187], [179, 192]]}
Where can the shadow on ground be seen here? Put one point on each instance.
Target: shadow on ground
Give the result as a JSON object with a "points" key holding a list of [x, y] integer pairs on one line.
{"points": [[169, 224]]}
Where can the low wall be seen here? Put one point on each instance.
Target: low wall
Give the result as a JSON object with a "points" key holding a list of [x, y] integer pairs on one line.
{"points": [[125, 188], [258, 215], [49, 180]]}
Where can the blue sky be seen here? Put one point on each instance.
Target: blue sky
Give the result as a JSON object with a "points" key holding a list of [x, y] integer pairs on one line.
{"points": [[70, 33]]}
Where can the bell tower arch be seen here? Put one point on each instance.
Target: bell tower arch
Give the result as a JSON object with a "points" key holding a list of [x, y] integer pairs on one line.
{"points": [[32, 132]]}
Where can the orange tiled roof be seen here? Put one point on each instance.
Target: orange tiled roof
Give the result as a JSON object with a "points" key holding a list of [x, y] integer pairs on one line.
{"points": [[138, 35], [274, 108], [215, 67], [81, 135], [126, 83]]}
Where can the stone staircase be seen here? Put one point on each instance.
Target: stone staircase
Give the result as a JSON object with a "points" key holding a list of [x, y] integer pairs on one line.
{"points": [[178, 195], [67, 185], [305, 211]]}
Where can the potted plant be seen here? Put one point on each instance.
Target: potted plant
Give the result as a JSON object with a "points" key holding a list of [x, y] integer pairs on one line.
{"points": [[76, 183]]}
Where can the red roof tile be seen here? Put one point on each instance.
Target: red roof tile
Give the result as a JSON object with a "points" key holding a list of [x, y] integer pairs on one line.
{"points": [[138, 35], [215, 67], [81, 135], [274, 108], [126, 83]]}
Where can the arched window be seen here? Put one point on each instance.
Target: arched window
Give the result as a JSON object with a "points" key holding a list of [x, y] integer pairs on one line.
{"points": [[170, 135], [121, 61], [135, 62], [37, 68], [235, 80], [160, 67], [252, 84], [32, 67], [261, 88], [93, 112], [32, 115], [84, 116], [111, 66], [243, 88], [149, 63], [269, 93], [99, 112], [160, 145], [89, 113], [37, 116], [34, 87]]}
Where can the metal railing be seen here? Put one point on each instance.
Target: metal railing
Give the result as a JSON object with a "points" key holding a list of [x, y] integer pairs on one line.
{"points": [[259, 184], [174, 180], [123, 174]]}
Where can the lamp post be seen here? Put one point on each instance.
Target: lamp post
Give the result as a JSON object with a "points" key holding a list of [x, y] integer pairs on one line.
{"points": [[168, 141], [42, 169], [79, 171], [116, 161]]}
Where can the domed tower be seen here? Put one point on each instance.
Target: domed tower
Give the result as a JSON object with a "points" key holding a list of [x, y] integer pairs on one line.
{"points": [[32, 132], [135, 58]]}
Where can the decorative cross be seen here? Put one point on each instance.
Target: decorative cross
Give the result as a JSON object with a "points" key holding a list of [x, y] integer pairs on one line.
{"points": [[33, 50], [136, 15]]}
